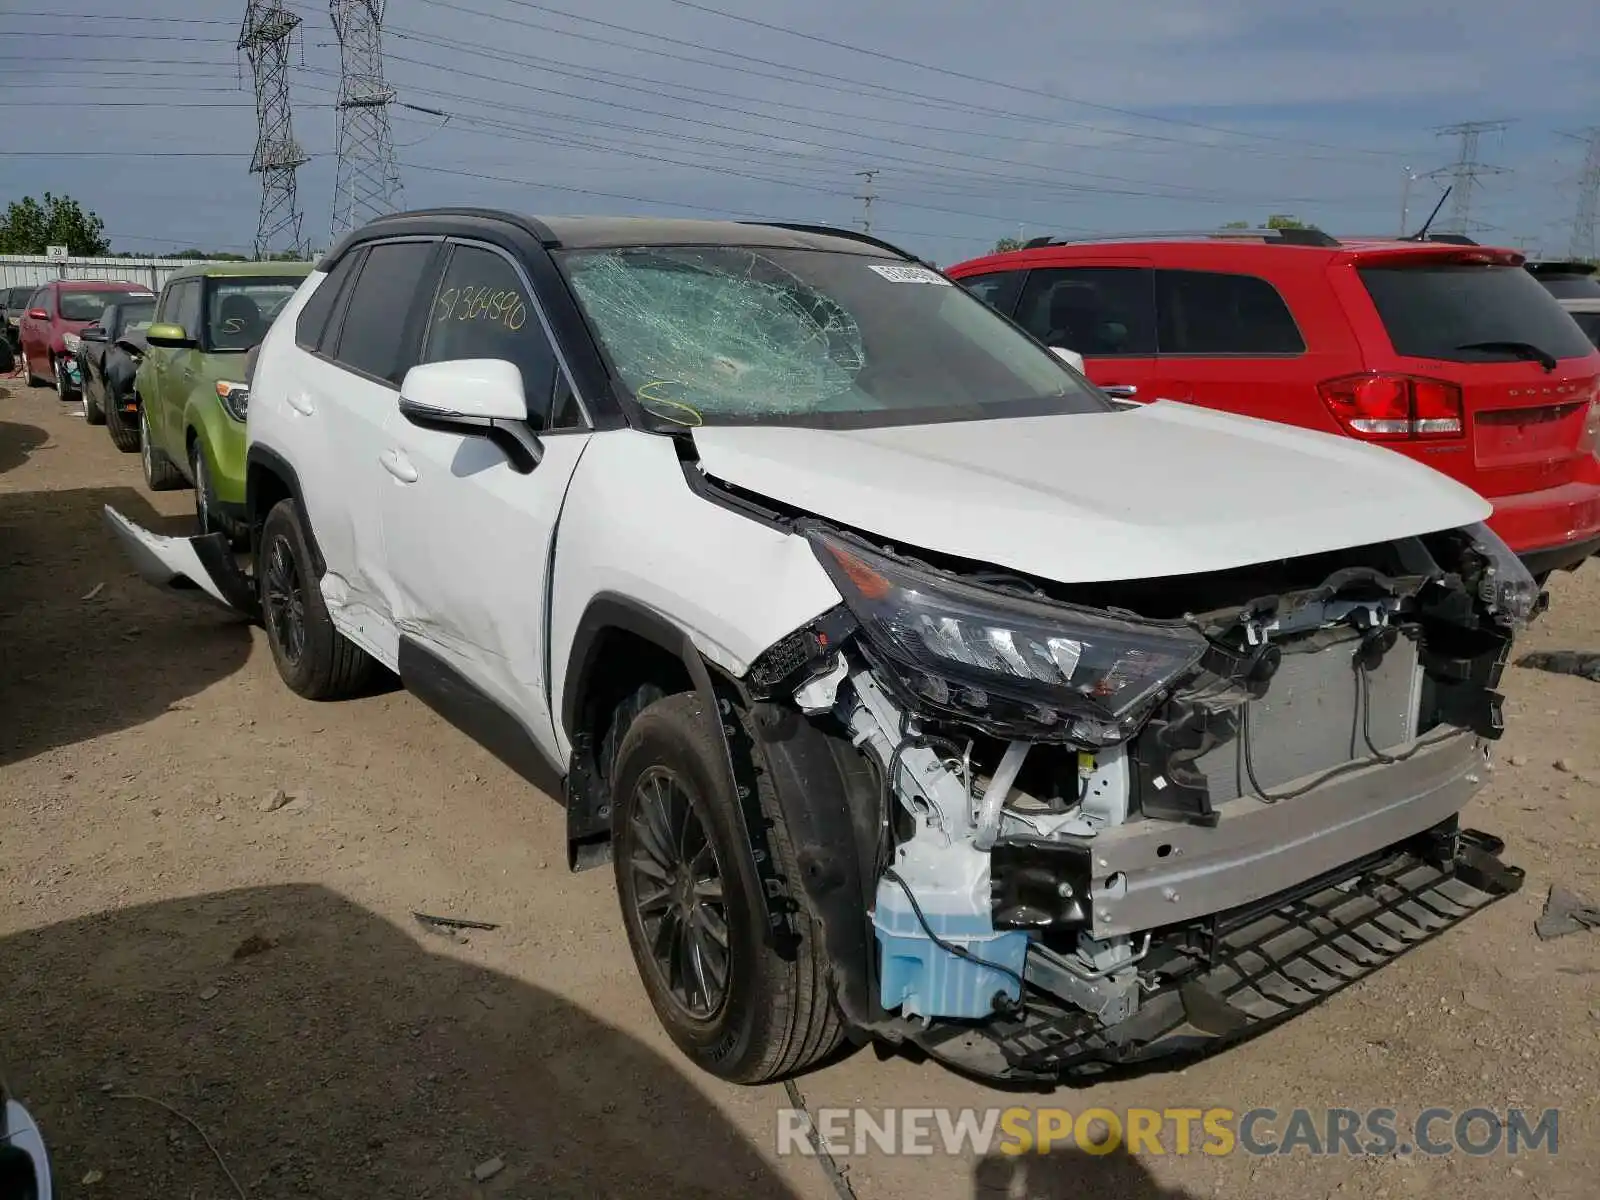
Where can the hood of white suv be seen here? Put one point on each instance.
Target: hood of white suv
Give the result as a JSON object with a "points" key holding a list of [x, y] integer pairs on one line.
{"points": [[1164, 489]]}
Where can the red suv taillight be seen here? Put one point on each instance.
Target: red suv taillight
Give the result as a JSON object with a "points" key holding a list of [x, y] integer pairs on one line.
{"points": [[1388, 407]]}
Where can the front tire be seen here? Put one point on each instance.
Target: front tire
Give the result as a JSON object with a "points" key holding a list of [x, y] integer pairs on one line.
{"points": [[160, 475], [93, 413], [65, 392], [124, 436], [694, 909], [313, 658], [205, 500]]}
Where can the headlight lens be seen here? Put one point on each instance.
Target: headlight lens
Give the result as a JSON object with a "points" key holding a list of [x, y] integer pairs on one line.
{"points": [[235, 398], [1507, 589], [71, 341], [961, 646]]}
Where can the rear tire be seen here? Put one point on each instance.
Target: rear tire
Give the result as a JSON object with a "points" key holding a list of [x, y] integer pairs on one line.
{"points": [[313, 658], [160, 474], [124, 435], [691, 902], [33, 380]]}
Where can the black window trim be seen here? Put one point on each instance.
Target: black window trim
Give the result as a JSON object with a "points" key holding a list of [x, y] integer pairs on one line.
{"points": [[1241, 355], [562, 365], [411, 332], [1020, 273]]}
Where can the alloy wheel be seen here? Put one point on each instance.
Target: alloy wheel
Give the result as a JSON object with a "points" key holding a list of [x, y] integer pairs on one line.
{"points": [[677, 893], [202, 489], [285, 602]]}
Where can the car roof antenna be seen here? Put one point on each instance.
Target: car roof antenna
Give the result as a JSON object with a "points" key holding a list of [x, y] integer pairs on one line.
{"points": [[1421, 235]]}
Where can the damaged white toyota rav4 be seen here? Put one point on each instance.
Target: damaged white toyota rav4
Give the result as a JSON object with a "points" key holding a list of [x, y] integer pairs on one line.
{"points": [[917, 691]]}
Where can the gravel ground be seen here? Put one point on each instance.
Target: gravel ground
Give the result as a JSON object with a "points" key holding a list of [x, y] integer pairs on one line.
{"points": [[172, 930]]}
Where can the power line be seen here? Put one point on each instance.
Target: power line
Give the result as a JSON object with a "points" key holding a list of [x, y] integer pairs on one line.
{"points": [[1465, 172], [1012, 87]]}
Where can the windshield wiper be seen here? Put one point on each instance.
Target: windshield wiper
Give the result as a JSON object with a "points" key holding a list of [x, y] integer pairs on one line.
{"points": [[1526, 350]]}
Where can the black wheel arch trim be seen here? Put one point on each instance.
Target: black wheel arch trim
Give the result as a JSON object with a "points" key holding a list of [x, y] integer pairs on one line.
{"points": [[268, 459], [829, 807]]}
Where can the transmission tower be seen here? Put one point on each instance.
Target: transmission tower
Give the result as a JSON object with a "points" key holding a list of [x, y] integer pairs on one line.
{"points": [[368, 181], [1465, 172], [265, 37], [1587, 217]]}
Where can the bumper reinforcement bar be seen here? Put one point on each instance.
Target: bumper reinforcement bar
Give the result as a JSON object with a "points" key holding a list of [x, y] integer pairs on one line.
{"points": [[1219, 981]]}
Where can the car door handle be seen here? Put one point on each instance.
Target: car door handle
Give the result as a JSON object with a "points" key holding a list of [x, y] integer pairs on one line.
{"points": [[301, 403], [399, 466], [1122, 391]]}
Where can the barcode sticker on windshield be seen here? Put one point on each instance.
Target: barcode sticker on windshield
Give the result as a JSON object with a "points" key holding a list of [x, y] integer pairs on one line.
{"points": [[899, 274]]}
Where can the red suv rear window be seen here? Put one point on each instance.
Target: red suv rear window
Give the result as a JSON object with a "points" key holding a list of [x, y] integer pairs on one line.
{"points": [[1469, 312]]}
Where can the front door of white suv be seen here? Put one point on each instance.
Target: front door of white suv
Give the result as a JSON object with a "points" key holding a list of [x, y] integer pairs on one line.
{"points": [[468, 538]]}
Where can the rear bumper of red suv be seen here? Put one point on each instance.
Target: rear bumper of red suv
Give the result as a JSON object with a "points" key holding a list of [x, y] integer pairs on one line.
{"points": [[1552, 529]]}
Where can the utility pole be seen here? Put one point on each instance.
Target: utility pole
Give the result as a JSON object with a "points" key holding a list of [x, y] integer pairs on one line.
{"points": [[1405, 199], [367, 183], [1584, 221], [866, 197], [1465, 172], [265, 37]]}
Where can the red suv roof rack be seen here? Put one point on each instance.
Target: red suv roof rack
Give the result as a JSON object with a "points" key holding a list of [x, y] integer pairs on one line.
{"points": [[1283, 237]]}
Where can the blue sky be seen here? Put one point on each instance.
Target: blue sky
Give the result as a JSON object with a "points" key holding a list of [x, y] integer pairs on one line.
{"points": [[1041, 116]]}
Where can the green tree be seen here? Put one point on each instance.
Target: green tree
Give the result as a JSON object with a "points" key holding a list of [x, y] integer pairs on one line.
{"points": [[29, 226], [1006, 244], [1275, 221]]}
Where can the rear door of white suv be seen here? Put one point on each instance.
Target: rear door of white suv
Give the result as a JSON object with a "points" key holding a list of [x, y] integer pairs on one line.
{"points": [[327, 418]]}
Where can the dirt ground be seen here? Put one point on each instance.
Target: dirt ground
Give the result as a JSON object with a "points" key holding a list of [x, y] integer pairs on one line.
{"points": [[164, 938]]}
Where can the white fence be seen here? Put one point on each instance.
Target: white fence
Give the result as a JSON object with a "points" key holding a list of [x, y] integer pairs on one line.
{"points": [[23, 270]]}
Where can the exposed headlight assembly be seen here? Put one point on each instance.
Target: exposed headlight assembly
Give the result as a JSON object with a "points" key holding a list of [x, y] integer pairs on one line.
{"points": [[980, 652], [1505, 586], [235, 398], [70, 342]]}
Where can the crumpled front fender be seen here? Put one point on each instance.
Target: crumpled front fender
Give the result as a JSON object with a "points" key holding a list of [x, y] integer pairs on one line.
{"points": [[203, 566]]}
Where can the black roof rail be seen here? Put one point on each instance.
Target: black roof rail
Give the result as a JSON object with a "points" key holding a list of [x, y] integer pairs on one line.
{"points": [[854, 235], [1451, 239], [1283, 237]]}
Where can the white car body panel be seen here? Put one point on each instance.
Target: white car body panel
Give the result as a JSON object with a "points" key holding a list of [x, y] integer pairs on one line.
{"points": [[1162, 489], [633, 528]]}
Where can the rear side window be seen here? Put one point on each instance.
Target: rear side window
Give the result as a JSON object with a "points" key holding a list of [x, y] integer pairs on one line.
{"points": [[998, 290], [1214, 312], [373, 336], [1101, 312], [1470, 312], [313, 318]]}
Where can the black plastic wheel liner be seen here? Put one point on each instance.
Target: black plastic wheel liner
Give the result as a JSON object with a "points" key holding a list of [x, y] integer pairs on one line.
{"points": [[1244, 971]]}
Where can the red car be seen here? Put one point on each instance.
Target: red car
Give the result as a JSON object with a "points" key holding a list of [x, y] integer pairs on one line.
{"points": [[48, 331], [1448, 352]]}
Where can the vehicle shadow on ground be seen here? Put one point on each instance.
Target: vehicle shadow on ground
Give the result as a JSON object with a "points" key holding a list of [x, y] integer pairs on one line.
{"points": [[1069, 1175], [86, 647], [327, 1053], [18, 442]]}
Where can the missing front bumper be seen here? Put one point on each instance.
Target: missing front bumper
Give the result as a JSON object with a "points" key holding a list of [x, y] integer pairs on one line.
{"points": [[1214, 983]]}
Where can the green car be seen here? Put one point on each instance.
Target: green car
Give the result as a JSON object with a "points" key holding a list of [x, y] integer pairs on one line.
{"points": [[191, 386]]}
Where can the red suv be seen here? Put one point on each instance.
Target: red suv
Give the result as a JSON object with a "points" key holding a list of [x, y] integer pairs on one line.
{"points": [[1448, 352], [56, 313]]}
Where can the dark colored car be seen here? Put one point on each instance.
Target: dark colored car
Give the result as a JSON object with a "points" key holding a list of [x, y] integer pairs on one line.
{"points": [[52, 326], [1447, 353], [105, 360], [1576, 287], [14, 302]]}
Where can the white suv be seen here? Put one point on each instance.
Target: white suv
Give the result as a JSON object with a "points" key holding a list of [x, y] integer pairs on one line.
{"points": [[917, 690]]}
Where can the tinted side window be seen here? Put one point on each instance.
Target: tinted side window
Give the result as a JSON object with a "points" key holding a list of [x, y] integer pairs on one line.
{"points": [[483, 310], [313, 318], [1210, 312], [372, 338], [1097, 311], [998, 290], [180, 305]]}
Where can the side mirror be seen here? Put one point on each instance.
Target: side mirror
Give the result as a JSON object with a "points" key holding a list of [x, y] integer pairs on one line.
{"points": [[480, 397], [93, 333], [1071, 357], [164, 333], [38, 314]]}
